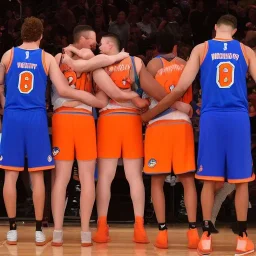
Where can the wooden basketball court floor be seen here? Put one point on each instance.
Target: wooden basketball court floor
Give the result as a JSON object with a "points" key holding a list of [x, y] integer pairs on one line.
{"points": [[121, 243]]}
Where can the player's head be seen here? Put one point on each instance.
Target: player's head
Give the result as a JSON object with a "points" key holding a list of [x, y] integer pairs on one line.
{"points": [[165, 42], [32, 30], [226, 24], [110, 44], [84, 37]]}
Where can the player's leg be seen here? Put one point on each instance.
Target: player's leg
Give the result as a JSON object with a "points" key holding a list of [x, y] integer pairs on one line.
{"points": [[12, 157], [133, 172], [240, 172], [132, 151], [220, 197], [87, 198], [184, 167], [211, 169], [158, 163], [38, 148], [85, 134], [109, 151], [10, 198], [106, 174], [63, 151]]}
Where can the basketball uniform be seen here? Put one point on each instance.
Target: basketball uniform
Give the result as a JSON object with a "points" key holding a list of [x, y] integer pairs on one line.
{"points": [[73, 129], [225, 137], [25, 127], [119, 130], [169, 140]]}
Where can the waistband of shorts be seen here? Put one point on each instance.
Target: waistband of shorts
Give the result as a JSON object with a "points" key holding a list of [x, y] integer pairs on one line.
{"points": [[73, 111], [167, 111], [168, 122], [121, 111]]}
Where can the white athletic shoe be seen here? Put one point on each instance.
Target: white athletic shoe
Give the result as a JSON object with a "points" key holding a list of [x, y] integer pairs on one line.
{"points": [[40, 238], [12, 237], [86, 239], [57, 239]]}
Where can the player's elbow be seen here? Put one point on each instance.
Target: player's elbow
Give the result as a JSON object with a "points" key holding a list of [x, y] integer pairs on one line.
{"points": [[63, 91]]}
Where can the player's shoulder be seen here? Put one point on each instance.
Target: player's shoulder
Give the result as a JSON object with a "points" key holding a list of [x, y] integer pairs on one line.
{"points": [[154, 65], [7, 58], [200, 47], [180, 61]]}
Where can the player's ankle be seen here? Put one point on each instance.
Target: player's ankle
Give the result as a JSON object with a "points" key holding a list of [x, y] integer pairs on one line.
{"points": [[162, 226], [207, 226]]}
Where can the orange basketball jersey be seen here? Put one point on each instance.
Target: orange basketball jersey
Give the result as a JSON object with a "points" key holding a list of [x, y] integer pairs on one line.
{"points": [[169, 75]]}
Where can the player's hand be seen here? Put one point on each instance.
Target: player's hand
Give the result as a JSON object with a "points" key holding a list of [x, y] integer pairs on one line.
{"points": [[69, 50], [183, 107], [140, 103], [66, 59], [122, 55], [145, 117]]}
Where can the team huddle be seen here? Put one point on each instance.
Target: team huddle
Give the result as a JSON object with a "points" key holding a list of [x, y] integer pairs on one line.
{"points": [[127, 95]]}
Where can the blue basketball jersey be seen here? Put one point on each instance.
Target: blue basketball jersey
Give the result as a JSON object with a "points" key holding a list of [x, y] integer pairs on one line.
{"points": [[26, 80], [223, 77]]}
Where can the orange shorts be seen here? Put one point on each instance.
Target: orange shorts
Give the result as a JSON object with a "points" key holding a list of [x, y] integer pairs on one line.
{"points": [[120, 135], [169, 145], [74, 136]]}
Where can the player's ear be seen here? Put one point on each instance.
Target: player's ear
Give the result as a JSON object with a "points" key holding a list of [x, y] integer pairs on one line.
{"points": [[234, 31]]}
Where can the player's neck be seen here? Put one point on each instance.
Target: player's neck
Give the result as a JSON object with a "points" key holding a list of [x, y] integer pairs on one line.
{"points": [[223, 36], [113, 52], [29, 45]]}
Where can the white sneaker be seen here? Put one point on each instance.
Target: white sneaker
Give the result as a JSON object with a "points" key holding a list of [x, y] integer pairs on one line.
{"points": [[86, 239], [40, 238], [57, 239], [12, 237]]}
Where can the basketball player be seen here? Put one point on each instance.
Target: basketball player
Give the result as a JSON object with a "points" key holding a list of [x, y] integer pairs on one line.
{"points": [[25, 131], [74, 135], [224, 123], [169, 143]]}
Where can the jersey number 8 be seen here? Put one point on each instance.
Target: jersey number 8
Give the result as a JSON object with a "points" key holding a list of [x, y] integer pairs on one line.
{"points": [[225, 75], [26, 82]]}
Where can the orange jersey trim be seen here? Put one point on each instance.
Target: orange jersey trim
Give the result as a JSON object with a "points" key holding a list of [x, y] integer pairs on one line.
{"points": [[210, 178], [44, 63], [10, 62], [242, 180], [77, 110], [42, 168], [12, 168], [206, 47], [126, 110], [244, 53], [222, 39]]}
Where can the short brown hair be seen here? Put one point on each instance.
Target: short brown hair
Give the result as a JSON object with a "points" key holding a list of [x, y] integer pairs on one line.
{"points": [[32, 29], [228, 20], [78, 30]]}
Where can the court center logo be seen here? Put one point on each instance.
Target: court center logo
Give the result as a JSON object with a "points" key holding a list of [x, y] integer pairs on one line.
{"points": [[152, 163], [55, 151]]}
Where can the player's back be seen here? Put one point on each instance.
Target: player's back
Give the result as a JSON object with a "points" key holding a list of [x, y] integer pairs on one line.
{"points": [[223, 77], [169, 75], [26, 80]]}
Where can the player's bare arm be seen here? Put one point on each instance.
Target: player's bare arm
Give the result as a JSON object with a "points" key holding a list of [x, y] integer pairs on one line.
{"points": [[3, 68], [84, 53], [105, 83], [94, 63], [64, 90], [251, 62], [188, 76]]}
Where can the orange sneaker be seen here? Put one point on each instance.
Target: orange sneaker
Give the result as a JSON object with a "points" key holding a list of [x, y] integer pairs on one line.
{"points": [[162, 239], [193, 238], [244, 246], [205, 244], [140, 235], [102, 233]]}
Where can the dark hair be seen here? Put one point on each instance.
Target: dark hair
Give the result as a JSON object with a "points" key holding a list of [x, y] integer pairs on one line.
{"points": [[32, 29], [228, 20], [78, 30], [116, 39], [165, 42]]}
